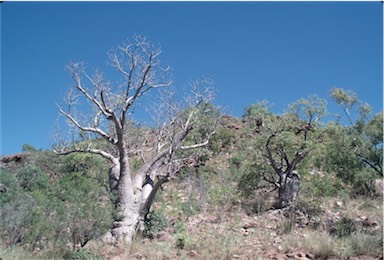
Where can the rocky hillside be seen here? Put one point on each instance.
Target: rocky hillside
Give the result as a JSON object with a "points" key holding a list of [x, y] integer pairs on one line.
{"points": [[202, 214]]}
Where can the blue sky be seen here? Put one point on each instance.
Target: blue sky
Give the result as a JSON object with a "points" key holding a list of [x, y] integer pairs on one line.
{"points": [[278, 51]]}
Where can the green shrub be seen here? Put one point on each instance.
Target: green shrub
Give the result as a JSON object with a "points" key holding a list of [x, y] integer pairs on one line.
{"points": [[238, 159], [32, 177], [28, 148], [345, 227], [220, 140], [322, 186], [44, 208], [84, 164], [249, 182], [16, 206], [82, 254], [156, 221]]}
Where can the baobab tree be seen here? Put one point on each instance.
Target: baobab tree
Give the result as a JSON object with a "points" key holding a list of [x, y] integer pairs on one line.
{"points": [[284, 141], [107, 128]]}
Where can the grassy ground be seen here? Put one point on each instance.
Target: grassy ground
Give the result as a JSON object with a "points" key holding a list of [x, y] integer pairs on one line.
{"points": [[200, 219], [338, 229]]}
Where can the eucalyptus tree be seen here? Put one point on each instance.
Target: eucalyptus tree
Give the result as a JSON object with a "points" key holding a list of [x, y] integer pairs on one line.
{"points": [[355, 150], [100, 116], [366, 130]]}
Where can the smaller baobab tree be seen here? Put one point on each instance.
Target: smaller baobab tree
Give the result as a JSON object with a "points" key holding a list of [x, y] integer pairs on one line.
{"points": [[100, 116], [283, 142]]}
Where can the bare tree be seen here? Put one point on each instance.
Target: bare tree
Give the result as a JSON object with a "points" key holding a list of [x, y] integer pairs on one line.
{"points": [[107, 128]]}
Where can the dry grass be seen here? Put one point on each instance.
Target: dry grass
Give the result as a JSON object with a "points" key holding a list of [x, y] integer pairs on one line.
{"points": [[319, 244], [14, 253], [366, 244], [214, 233]]}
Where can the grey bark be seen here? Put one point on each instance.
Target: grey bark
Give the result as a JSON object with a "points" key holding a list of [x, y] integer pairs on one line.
{"points": [[288, 184], [289, 189]]}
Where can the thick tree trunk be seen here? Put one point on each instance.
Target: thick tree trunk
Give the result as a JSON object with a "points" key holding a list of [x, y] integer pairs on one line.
{"points": [[127, 205], [289, 188], [127, 219]]}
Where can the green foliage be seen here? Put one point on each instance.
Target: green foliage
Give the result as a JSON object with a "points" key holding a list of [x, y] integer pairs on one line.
{"points": [[355, 153], [82, 254], [311, 109], [83, 163], [237, 159], [345, 98], [31, 177], [220, 140], [369, 143], [54, 201], [259, 109], [217, 189], [28, 148], [364, 137], [250, 180], [16, 206], [44, 208], [345, 226], [278, 144], [323, 186], [156, 221]]}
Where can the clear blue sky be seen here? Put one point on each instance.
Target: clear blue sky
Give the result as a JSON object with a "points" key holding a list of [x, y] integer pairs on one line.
{"points": [[253, 51]]}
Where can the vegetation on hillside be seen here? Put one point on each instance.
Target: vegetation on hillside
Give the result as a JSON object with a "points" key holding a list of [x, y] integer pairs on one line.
{"points": [[56, 206]]}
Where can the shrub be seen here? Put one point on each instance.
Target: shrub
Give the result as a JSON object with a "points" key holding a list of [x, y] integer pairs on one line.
{"points": [[83, 163], [221, 140], [322, 186], [41, 212], [345, 227], [15, 219], [82, 254], [31, 177], [249, 181], [16, 206], [237, 159], [156, 221]]}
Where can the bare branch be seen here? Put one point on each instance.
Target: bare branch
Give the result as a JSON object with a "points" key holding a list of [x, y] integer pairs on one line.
{"points": [[189, 147], [95, 130], [76, 77], [104, 154]]}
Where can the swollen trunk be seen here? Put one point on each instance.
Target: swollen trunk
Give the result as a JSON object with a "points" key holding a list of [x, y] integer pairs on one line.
{"points": [[289, 189]]}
